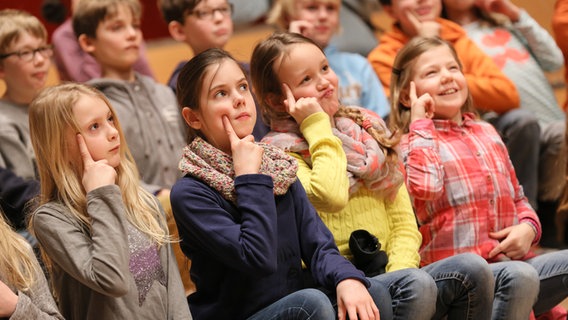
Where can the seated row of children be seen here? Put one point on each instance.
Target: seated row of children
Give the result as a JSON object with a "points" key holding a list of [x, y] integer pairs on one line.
{"points": [[243, 246]]}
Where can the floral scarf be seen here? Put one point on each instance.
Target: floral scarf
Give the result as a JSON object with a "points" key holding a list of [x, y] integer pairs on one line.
{"points": [[366, 161], [201, 160]]}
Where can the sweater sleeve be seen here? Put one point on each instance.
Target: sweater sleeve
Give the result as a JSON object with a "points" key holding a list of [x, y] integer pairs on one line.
{"points": [[325, 181], [99, 260], [37, 303], [247, 243], [13, 153], [540, 43], [404, 238]]}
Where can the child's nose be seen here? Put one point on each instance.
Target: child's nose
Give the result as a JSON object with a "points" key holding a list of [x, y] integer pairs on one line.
{"points": [[323, 83]]}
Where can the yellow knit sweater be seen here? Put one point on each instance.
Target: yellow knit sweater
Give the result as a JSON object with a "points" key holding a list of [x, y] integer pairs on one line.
{"points": [[327, 187]]}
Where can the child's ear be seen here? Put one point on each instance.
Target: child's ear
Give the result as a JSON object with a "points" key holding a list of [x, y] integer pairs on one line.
{"points": [[275, 102], [86, 43], [404, 98], [176, 31], [191, 118]]}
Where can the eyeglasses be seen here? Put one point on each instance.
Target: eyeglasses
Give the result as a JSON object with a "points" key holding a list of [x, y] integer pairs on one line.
{"points": [[29, 55], [209, 14]]}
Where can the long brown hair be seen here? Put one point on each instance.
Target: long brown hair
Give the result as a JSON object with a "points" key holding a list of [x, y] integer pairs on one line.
{"points": [[267, 85]]}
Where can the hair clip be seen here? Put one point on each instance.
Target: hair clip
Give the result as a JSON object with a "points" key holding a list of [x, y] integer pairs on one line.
{"points": [[396, 71], [366, 124]]}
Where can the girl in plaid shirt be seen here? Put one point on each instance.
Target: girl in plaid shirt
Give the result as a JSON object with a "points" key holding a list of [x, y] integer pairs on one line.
{"points": [[462, 184]]}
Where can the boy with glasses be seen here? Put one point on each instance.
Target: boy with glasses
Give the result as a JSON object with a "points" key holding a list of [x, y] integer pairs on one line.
{"points": [[24, 65], [202, 24]]}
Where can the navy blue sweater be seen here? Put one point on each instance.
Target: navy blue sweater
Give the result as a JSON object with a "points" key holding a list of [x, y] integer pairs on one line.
{"points": [[247, 256]]}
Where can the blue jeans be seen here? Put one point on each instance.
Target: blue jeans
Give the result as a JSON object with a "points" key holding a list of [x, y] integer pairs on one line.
{"points": [[315, 304], [552, 269], [413, 293], [465, 287], [516, 289]]}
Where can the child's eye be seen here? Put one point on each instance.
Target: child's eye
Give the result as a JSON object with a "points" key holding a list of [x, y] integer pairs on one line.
{"points": [[331, 7], [220, 94], [93, 126], [110, 119], [306, 79], [243, 87], [116, 27], [430, 73]]}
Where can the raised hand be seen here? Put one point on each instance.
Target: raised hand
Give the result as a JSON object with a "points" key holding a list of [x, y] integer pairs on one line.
{"points": [[95, 173], [302, 108], [504, 7], [247, 156], [302, 27], [422, 107], [8, 301], [515, 241], [355, 302], [423, 29]]}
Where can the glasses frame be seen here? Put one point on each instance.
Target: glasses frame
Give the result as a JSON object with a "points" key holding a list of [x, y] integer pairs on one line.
{"points": [[21, 53], [210, 14]]}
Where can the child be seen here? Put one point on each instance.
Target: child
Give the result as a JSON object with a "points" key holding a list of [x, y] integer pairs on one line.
{"points": [[319, 21], [244, 219], [74, 64], [352, 175], [462, 183], [110, 31], [202, 24], [24, 64], [103, 237], [524, 50], [23, 288], [491, 90]]}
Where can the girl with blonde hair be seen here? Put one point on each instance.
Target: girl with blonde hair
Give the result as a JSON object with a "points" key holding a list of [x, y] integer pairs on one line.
{"points": [[23, 287], [103, 237]]}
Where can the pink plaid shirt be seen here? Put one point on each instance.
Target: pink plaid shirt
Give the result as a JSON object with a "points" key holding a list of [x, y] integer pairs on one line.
{"points": [[463, 186]]}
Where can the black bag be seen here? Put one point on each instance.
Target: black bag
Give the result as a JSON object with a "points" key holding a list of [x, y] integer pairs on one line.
{"points": [[367, 255]]}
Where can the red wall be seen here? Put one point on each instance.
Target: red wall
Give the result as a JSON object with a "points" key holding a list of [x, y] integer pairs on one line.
{"points": [[153, 26]]}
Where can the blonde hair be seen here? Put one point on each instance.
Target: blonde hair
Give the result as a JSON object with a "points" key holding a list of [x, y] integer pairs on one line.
{"points": [[281, 11], [18, 264], [88, 14], [51, 121], [14, 23], [403, 73], [266, 85]]}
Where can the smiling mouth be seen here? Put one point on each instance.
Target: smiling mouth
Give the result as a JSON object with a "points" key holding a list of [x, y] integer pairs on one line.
{"points": [[448, 92]]}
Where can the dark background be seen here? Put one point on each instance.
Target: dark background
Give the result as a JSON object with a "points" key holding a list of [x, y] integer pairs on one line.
{"points": [[153, 26]]}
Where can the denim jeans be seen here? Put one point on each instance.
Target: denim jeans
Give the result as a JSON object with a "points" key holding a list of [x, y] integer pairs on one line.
{"points": [[516, 289], [315, 304], [552, 269], [465, 287], [413, 293]]}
